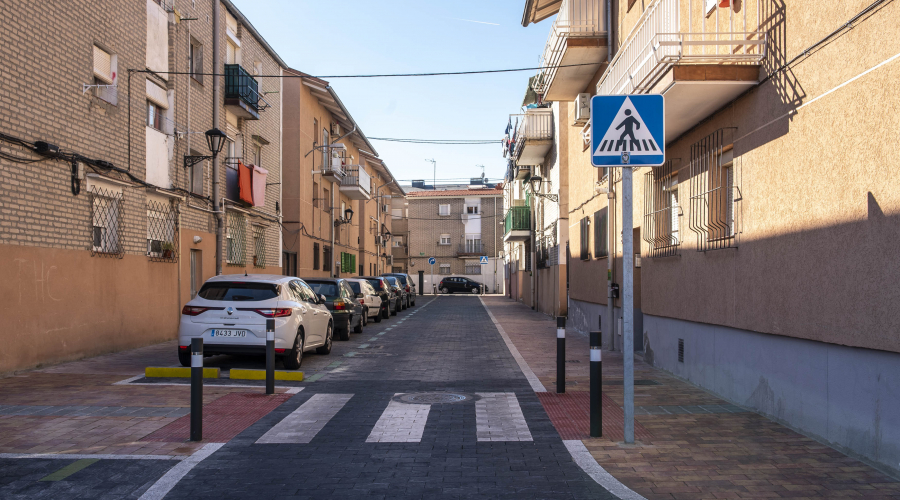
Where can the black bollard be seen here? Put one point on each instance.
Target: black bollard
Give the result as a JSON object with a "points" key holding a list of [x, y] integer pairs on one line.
{"points": [[197, 389], [596, 386], [560, 354], [270, 356]]}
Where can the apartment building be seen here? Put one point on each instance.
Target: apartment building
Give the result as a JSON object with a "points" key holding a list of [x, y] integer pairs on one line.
{"points": [[763, 268], [107, 220], [337, 192], [400, 236], [458, 228]]}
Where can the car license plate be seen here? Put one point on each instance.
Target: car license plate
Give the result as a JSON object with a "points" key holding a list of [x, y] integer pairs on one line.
{"points": [[228, 333]]}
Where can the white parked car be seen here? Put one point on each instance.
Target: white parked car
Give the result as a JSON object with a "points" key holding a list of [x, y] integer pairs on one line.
{"points": [[230, 313], [368, 297]]}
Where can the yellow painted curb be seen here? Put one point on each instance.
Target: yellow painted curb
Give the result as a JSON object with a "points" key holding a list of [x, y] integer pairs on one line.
{"points": [[178, 372], [241, 374]]}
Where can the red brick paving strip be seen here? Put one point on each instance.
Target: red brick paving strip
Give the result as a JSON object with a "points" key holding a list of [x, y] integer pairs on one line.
{"points": [[223, 419], [571, 415]]}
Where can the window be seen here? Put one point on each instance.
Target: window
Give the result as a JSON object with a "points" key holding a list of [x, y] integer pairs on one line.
{"points": [[196, 271], [238, 291], [234, 239], [162, 232], [472, 210], [155, 116], [445, 239], [601, 245], [361, 269], [445, 268], [289, 263], [473, 268], [105, 220], [105, 77], [473, 244], [348, 262], [713, 188], [585, 232], [315, 196], [196, 175], [315, 256], [326, 259], [325, 142], [326, 199], [259, 246], [661, 210], [196, 60], [443, 209], [398, 241], [257, 155]]}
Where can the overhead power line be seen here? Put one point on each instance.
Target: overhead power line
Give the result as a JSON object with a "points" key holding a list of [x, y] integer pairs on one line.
{"points": [[475, 142]]}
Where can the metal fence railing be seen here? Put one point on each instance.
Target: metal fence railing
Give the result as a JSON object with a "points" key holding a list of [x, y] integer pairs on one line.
{"points": [[576, 18], [106, 223], [662, 210], [517, 219], [715, 193], [162, 232]]}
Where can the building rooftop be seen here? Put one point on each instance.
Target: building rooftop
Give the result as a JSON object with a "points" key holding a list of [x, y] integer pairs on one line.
{"points": [[430, 193]]}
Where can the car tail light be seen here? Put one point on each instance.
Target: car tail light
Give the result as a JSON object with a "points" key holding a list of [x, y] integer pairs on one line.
{"points": [[362, 301], [340, 305], [280, 351], [183, 348], [194, 310], [407, 288], [271, 313]]}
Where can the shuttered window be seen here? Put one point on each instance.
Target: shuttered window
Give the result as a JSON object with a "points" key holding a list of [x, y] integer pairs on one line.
{"points": [[601, 246], [103, 65]]}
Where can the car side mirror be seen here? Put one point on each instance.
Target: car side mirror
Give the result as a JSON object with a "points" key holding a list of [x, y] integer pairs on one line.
{"points": [[322, 299]]}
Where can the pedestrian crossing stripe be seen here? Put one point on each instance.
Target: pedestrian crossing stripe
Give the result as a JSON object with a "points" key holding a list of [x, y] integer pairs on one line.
{"points": [[627, 130]]}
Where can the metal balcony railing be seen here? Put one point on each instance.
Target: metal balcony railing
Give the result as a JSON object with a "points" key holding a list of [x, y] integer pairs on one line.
{"points": [[576, 18], [355, 176], [517, 219], [534, 124], [241, 85], [471, 247], [661, 39]]}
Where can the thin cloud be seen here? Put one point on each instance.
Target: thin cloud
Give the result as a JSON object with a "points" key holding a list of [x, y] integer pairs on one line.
{"points": [[471, 21]]}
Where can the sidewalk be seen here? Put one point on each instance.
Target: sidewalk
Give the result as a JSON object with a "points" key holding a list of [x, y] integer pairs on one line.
{"points": [[689, 443], [76, 408]]}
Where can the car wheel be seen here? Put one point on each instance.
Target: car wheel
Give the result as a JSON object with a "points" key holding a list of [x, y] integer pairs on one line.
{"points": [[184, 357], [365, 318], [294, 357], [404, 305], [395, 310], [475, 290], [413, 304], [445, 290], [386, 311], [359, 325], [329, 339]]}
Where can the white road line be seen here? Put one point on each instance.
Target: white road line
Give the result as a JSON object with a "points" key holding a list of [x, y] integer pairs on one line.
{"points": [[536, 384], [294, 390], [583, 458], [80, 456], [128, 380], [498, 417], [165, 484], [302, 425], [400, 423]]}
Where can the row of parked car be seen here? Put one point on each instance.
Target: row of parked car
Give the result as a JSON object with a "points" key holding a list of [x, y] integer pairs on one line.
{"points": [[230, 312]]}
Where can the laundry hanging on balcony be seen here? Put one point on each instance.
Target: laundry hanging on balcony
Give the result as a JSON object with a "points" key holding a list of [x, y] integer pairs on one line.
{"points": [[245, 183], [259, 186]]}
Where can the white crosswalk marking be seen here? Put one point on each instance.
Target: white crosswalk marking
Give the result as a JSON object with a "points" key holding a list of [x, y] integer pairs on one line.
{"points": [[400, 423], [302, 425], [498, 417]]}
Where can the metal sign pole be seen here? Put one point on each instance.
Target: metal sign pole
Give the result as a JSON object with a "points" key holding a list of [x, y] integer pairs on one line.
{"points": [[628, 301]]}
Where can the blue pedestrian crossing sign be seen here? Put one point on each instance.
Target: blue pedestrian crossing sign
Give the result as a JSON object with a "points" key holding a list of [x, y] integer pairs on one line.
{"points": [[628, 130], [483, 259], [431, 260]]}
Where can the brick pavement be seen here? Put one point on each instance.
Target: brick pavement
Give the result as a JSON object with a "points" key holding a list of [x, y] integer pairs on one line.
{"points": [[688, 455]]}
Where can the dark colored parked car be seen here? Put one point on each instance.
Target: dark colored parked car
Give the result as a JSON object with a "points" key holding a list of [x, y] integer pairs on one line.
{"points": [[463, 285], [399, 292], [407, 282], [384, 290], [340, 300]]}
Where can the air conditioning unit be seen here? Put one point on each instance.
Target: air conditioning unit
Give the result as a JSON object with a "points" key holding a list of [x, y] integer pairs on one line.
{"points": [[582, 108], [335, 129]]}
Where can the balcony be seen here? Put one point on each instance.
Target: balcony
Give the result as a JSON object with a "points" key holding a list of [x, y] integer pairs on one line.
{"points": [[695, 58], [400, 252], [577, 37], [517, 224], [471, 248], [523, 172], [242, 95], [356, 183], [534, 137]]}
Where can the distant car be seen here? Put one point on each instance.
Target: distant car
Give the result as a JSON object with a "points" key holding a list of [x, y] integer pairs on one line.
{"points": [[385, 291], [407, 282], [398, 291], [462, 285], [366, 295], [346, 311], [230, 313]]}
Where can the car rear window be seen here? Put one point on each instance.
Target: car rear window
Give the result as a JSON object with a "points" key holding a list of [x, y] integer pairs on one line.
{"points": [[376, 284], [238, 292], [402, 279], [390, 279], [354, 285], [326, 288]]}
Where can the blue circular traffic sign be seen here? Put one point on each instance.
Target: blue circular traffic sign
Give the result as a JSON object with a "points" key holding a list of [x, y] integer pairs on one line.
{"points": [[431, 260]]}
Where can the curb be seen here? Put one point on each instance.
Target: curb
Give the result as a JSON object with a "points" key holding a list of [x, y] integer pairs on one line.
{"points": [[177, 372], [244, 374]]}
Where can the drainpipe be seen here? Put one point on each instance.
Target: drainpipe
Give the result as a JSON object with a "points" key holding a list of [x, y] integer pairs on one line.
{"points": [[217, 99]]}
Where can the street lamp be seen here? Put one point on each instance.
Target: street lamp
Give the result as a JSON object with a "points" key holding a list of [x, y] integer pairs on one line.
{"points": [[215, 139], [348, 216], [537, 179]]}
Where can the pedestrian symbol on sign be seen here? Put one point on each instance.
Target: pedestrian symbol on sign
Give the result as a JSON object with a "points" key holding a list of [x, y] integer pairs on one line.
{"points": [[484, 259], [627, 130]]}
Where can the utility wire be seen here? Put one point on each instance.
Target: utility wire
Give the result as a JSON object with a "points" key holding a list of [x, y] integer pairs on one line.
{"points": [[464, 142]]}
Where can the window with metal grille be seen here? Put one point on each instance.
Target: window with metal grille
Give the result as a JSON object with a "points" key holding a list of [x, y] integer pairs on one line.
{"points": [[553, 259], [473, 268], [162, 232], [315, 256], [601, 245], [106, 223], [528, 251], [585, 230], [714, 191], [259, 246], [662, 210], [234, 239], [326, 259]]}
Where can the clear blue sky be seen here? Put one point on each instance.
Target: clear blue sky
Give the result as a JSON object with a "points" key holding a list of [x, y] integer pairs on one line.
{"points": [[361, 36]]}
